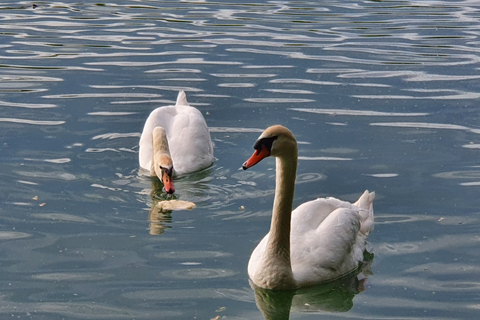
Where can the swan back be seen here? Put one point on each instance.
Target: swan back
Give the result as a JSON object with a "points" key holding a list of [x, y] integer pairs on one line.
{"points": [[189, 140]]}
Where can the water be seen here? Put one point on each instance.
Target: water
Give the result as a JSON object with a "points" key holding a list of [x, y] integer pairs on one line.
{"points": [[382, 95]]}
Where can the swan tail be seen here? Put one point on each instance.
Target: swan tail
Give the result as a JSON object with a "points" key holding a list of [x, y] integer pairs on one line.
{"points": [[366, 200], [182, 99], [365, 204]]}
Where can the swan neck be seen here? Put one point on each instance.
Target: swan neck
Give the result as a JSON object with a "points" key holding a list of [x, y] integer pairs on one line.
{"points": [[160, 142], [278, 246], [161, 151], [282, 205]]}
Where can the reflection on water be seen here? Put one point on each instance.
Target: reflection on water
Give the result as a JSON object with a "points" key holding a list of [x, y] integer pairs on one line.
{"points": [[335, 296], [159, 220]]}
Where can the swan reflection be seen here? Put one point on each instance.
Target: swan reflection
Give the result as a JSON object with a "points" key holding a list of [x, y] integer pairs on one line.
{"points": [[334, 296], [163, 205], [159, 219]]}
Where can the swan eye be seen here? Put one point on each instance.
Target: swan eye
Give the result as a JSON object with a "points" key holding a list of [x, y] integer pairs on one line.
{"points": [[168, 171], [267, 142]]}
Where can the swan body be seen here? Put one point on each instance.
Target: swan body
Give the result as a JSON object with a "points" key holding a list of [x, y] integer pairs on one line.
{"points": [[320, 241], [184, 138]]}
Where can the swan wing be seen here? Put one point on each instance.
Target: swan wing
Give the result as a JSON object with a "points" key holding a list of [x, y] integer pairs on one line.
{"points": [[329, 251], [327, 239], [189, 140]]}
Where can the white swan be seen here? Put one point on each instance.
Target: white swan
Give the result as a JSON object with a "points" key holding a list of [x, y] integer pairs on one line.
{"points": [[175, 140], [319, 241]]}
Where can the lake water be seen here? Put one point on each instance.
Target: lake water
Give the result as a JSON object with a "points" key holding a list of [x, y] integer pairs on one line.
{"points": [[381, 95]]}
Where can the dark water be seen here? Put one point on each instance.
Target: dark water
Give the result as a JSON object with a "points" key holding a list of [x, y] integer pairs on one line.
{"points": [[382, 95]]}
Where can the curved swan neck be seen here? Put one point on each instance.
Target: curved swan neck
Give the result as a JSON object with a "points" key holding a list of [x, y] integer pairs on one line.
{"points": [[278, 247], [160, 141], [286, 168], [161, 151]]}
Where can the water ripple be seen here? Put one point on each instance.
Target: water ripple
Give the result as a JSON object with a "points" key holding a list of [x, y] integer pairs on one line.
{"points": [[198, 273], [11, 235], [65, 276], [28, 105], [346, 112], [33, 122], [278, 100], [424, 125]]}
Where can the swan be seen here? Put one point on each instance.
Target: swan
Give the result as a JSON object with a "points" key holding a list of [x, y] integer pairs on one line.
{"points": [[175, 140], [320, 241]]}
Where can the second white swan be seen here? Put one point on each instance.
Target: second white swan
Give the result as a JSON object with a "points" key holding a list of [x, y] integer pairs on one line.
{"points": [[321, 240], [175, 140]]}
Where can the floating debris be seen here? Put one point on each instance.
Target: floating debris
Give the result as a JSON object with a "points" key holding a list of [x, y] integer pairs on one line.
{"points": [[170, 205]]}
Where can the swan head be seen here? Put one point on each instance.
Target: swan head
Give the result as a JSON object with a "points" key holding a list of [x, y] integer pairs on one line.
{"points": [[162, 164], [275, 141], [164, 172]]}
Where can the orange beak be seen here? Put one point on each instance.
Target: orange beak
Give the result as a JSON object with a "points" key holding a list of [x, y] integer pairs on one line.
{"points": [[256, 157], [168, 183]]}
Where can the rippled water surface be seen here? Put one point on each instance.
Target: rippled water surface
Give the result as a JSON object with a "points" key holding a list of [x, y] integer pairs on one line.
{"points": [[382, 95]]}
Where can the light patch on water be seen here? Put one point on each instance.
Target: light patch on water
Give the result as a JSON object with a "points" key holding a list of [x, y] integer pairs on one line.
{"points": [[237, 85], [201, 254], [383, 175], [334, 70], [33, 122], [266, 66], [183, 294], [346, 112], [278, 100], [110, 113], [102, 95], [467, 174], [80, 310], [28, 182], [340, 124], [96, 185], [289, 91], [458, 96], [48, 175], [190, 263], [470, 184], [445, 269], [323, 158], [428, 245], [71, 276], [309, 177], [28, 105], [199, 61], [198, 273], [243, 75], [62, 217], [237, 130], [99, 150], [373, 85], [306, 81], [425, 125], [472, 146], [12, 235], [116, 135], [386, 218], [58, 161]]}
